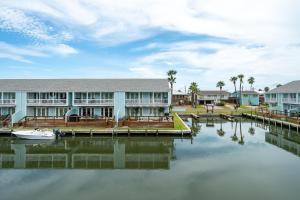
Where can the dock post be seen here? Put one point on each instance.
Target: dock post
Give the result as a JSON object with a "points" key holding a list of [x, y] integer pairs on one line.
{"points": [[297, 129], [128, 132], [91, 133], [73, 132], [281, 125], [156, 132]]}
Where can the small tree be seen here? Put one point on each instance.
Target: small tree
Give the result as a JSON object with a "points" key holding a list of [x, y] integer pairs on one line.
{"points": [[136, 111], [161, 110]]}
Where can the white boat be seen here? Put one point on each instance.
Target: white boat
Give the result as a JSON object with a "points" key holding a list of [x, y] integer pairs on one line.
{"points": [[36, 134]]}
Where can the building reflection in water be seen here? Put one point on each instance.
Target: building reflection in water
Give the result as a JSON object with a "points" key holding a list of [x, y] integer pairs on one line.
{"points": [[285, 139], [88, 153]]}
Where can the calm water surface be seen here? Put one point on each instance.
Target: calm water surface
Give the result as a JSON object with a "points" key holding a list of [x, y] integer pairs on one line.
{"points": [[224, 160]]}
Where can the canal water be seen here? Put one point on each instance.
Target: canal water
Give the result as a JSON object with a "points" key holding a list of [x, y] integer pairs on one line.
{"points": [[223, 160]]}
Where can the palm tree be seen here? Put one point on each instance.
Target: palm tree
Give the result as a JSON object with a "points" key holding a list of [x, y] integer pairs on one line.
{"points": [[220, 131], [251, 81], [241, 77], [220, 85], [241, 141], [172, 79], [266, 89], [233, 80], [195, 127], [234, 138], [194, 91], [251, 129]]}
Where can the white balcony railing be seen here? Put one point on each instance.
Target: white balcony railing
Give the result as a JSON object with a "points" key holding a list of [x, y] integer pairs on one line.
{"points": [[285, 100], [93, 101], [271, 100], [46, 101], [146, 102], [289, 100], [7, 101]]}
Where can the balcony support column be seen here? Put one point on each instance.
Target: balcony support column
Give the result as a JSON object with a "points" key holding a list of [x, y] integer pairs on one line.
{"points": [[87, 97], [73, 97], [139, 97], [153, 98], [100, 97]]}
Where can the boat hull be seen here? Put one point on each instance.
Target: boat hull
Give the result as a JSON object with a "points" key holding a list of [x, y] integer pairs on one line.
{"points": [[35, 135]]}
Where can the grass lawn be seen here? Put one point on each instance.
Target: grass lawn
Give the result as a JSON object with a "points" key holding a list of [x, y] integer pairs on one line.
{"points": [[178, 123]]}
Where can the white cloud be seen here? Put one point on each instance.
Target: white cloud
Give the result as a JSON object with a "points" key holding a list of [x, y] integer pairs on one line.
{"points": [[267, 21], [61, 49], [15, 20], [21, 54], [273, 24], [147, 72], [227, 61]]}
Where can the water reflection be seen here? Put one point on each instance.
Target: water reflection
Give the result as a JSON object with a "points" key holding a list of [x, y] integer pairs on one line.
{"points": [[220, 131], [88, 153], [285, 139], [196, 127], [234, 138], [251, 129]]}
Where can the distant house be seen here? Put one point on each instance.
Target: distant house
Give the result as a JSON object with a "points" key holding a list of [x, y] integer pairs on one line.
{"points": [[284, 98], [181, 98], [249, 98], [212, 96]]}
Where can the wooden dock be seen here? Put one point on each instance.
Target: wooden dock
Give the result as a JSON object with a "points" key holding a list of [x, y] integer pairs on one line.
{"points": [[273, 121], [227, 117], [117, 132], [194, 116]]}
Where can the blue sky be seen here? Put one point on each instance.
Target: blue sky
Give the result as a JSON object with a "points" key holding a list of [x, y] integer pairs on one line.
{"points": [[204, 40]]}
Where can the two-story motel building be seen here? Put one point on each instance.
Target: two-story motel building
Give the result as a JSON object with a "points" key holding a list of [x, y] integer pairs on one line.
{"points": [[83, 97]]}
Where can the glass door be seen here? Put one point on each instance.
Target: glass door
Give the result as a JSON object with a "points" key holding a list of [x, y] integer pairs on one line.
{"points": [[87, 112], [41, 112], [107, 112]]}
